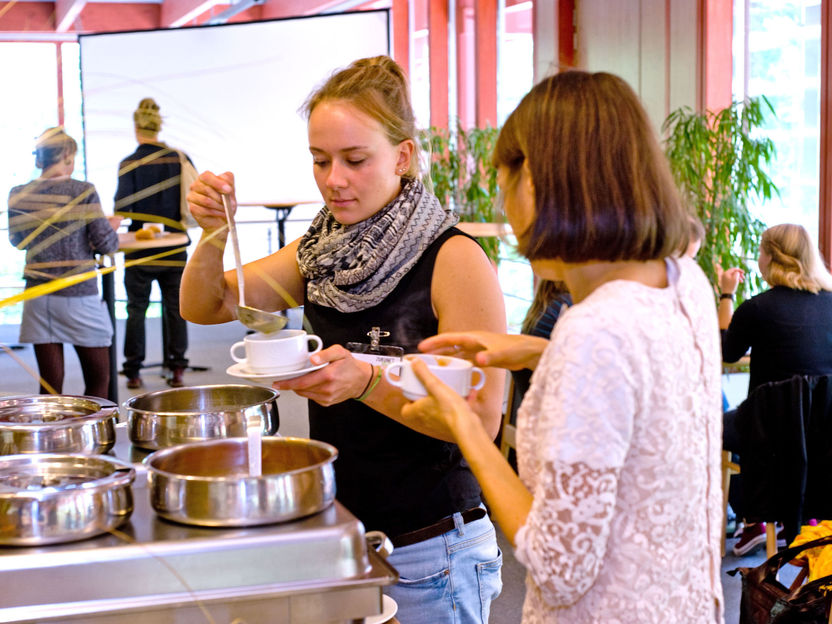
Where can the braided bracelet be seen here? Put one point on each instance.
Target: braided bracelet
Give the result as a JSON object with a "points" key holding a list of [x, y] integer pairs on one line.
{"points": [[372, 386], [369, 381]]}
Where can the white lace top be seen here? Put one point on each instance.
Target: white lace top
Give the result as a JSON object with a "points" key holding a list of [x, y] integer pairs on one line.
{"points": [[619, 441]]}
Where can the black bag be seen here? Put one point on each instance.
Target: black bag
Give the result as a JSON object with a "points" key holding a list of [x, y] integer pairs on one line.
{"points": [[767, 601]]}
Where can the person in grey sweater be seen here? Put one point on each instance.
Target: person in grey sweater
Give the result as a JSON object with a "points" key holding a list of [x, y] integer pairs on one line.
{"points": [[58, 221]]}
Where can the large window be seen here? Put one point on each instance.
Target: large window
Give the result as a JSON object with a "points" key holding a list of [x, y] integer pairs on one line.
{"points": [[515, 76], [30, 106], [777, 54]]}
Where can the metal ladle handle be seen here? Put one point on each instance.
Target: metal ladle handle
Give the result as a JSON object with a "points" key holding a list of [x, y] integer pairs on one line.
{"points": [[235, 245]]}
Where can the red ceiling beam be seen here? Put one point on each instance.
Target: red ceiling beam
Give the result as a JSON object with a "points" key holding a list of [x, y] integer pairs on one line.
{"points": [[179, 12], [66, 12], [27, 17], [111, 17]]}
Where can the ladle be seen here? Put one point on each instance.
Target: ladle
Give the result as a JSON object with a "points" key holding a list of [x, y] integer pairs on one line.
{"points": [[253, 318]]}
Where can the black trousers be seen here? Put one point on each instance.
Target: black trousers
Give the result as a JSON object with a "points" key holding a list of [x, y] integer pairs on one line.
{"points": [[137, 282]]}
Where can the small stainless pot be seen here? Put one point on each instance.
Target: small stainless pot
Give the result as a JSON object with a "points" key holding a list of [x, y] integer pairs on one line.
{"points": [[208, 483], [43, 423], [51, 498], [196, 413]]}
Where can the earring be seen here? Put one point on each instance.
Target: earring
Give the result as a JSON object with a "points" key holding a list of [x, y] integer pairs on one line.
{"points": [[401, 171]]}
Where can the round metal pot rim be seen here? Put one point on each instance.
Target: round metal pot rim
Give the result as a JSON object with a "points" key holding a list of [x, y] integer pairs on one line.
{"points": [[129, 403], [107, 409], [123, 475], [148, 461]]}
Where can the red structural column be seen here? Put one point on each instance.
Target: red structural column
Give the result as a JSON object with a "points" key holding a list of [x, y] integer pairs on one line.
{"points": [[716, 61], [825, 174], [486, 62], [401, 33], [60, 76], [566, 33], [438, 40]]}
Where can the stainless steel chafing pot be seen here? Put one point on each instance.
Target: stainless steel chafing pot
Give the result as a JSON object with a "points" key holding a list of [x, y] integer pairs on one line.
{"points": [[56, 424], [167, 418], [208, 483], [51, 498]]}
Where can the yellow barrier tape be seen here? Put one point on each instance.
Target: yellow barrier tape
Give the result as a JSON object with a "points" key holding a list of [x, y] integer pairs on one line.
{"points": [[64, 282], [29, 370]]}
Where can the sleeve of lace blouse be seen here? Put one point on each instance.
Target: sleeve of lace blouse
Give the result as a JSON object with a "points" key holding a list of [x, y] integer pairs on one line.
{"points": [[585, 414]]}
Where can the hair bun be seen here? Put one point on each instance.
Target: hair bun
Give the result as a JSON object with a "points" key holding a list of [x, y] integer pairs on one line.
{"points": [[147, 117]]}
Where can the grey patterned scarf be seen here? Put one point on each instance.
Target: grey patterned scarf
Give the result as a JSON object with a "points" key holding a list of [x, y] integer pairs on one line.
{"points": [[354, 267]]}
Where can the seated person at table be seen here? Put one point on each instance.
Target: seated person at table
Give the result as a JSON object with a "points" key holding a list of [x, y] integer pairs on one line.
{"points": [[788, 327]]}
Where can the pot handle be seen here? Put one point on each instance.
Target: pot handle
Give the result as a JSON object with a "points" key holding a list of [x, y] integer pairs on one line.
{"points": [[379, 542]]}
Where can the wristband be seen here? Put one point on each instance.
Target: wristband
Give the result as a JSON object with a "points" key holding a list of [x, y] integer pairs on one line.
{"points": [[727, 296], [369, 381], [372, 386]]}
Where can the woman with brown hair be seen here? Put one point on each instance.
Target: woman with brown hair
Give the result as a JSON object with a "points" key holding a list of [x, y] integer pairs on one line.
{"points": [[616, 509], [382, 256]]}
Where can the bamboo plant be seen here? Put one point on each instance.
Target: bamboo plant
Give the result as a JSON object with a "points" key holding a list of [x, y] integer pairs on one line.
{"points": [[719, 163], [463, 177]]}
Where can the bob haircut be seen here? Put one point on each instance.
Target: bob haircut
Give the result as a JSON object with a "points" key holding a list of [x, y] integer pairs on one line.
{"points": [[602, 187], [795, 260]]}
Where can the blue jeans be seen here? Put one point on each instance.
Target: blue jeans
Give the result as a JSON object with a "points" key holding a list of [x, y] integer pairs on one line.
{"points": [[449, 579]]}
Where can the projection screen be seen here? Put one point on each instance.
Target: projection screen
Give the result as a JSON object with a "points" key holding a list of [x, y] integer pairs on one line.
{"points": [[229, 95]]}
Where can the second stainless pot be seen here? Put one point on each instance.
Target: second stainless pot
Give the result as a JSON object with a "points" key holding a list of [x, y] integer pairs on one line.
{"points": [[43, 423], [208, 483], [196, 413], [49, 498]]}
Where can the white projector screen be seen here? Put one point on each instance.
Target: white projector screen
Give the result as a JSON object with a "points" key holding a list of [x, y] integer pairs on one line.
{"points": [[229, 96]]}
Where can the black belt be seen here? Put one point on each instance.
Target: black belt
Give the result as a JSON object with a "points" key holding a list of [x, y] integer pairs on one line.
{"points": [[443, 526]]}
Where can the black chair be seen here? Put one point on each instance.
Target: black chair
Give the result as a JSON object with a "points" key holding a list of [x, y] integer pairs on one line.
{"points": [[786, 453]]}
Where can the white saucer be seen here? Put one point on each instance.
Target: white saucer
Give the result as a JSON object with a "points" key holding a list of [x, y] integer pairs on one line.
{"points": [[239, 370], [390, 607]]}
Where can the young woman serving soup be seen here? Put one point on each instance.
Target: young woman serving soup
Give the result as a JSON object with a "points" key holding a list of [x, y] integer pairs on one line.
{"points": [[382, 253]]}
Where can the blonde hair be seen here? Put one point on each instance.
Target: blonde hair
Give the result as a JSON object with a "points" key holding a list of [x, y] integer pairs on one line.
{"points": [[795, 260], [377, 86], [146, 117], [53, 145]]}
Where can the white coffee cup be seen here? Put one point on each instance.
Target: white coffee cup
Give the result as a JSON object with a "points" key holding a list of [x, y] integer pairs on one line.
{"points": [[454, 372], [285, 350]]}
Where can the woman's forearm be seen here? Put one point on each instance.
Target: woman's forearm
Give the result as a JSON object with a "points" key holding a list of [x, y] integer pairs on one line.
{"points": [[508, 499], [204, 295]]}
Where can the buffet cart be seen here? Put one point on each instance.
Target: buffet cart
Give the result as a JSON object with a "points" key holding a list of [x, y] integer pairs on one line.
{"points": [[315, 570]]}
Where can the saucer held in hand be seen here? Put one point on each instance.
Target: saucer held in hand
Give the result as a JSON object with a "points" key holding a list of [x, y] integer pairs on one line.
{"points": [[240, 371]]}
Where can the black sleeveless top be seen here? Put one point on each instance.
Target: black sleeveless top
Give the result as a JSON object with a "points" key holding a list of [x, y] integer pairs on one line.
{"points": [[391, 477]]}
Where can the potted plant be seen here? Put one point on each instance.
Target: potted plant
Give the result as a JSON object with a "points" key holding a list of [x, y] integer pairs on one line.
{"points": [[463, 177], [719, 163]]}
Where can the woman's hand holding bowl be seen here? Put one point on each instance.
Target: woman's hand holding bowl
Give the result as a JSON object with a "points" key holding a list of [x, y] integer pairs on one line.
{"points": [[343, 378], [483, 348]]}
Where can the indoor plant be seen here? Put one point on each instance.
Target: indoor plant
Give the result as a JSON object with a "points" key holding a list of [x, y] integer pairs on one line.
{"points": [[463, 177], [718, 163]]}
